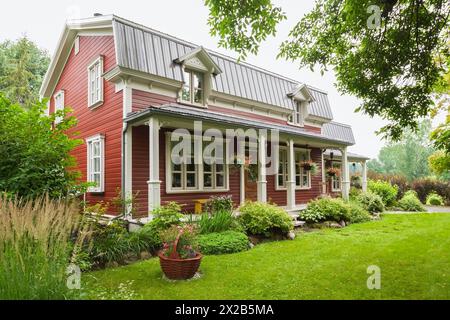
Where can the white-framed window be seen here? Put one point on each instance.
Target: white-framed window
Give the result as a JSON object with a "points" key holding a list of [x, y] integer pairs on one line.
{"points": [[302, 176], [96, 162], [59, 104], [186, 176], [336, 180], [297, 115], [193, 87], [95, 83]]}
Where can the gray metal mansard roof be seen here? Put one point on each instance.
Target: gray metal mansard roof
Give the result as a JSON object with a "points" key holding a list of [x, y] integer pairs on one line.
{"points": [[150, 51], [335, 133]]}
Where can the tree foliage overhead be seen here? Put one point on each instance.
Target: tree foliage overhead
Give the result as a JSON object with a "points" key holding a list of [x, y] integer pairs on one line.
{"points": [[387, 58], [22, 68], [38, 159], [407, 157]]}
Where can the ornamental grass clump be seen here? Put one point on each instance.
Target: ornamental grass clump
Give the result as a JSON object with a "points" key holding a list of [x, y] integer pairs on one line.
{"points": [[37, 241]]}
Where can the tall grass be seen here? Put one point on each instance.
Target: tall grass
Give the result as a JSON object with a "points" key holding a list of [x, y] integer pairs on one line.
{"points": [[37, 238], [217, 222]]}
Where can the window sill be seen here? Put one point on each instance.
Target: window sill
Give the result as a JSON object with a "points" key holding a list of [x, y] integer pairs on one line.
{"points": [[296, 188], [296, 124], [96, 105], [171, 191], [196, 105], [96, 193]]}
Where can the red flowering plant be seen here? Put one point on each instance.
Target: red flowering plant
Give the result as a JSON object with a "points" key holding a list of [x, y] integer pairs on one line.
{"points": [[179, 242], [333, 172], [249, 164]]}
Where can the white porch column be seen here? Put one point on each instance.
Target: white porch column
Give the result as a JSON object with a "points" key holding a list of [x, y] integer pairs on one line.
{"points": [[154, 183], [290, 183], [262, 182], [324, 176], [242, 184], [345, 175], [364, 176]]}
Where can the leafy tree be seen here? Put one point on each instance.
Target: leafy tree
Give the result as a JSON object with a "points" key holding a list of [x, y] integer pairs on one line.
{"points": [[383, 51], [35, 153], [407, 157], [439, 163], [22, 68]]}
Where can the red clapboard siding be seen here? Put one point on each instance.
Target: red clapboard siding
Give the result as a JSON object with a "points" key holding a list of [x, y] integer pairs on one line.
{"points": [[142, 100], [140, 168], [106, 119]]}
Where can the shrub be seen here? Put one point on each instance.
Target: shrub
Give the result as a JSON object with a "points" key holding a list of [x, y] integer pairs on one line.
{"points": [[326, 208], [37, 239], [219, 204], [371, 202], [410, 202], [385, 190], [166, 216], [38, 152], [263, 219], [354, 193], [424, 187], [399, 180], [357, 214], [223, 243], [218, 222], [433, 199]]}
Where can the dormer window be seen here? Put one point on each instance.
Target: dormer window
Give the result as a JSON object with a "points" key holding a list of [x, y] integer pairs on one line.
{"points": [[298, 114], [193, 87]]}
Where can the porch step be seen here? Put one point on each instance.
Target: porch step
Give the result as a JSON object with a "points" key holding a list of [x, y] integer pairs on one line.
{"points": [[299, 224]]}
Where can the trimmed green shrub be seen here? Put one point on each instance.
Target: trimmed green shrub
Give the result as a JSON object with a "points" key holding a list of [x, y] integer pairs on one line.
{"points": [[219, 204], [264, 219], [218, 222], [326, 208], [385, 190], [411, 203], [433, 199], [357, 214], [371, 202], [223, 242]]}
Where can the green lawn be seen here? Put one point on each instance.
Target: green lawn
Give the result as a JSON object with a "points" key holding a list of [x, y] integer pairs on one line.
{"points": [[413, 252]]}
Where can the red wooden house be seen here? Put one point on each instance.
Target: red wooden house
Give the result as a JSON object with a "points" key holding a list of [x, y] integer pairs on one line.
{"points": [[131, 86]]}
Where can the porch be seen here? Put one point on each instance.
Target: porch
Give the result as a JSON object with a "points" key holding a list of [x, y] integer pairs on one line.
{"points": [[149, 172]]}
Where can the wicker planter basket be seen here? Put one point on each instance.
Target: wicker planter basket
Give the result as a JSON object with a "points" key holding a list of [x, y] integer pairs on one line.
{"points": [[179, 269]]}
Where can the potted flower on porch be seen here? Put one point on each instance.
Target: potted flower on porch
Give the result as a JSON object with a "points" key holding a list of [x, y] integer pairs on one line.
{"points": [[333, 172], [310, 166], [179, 259]]}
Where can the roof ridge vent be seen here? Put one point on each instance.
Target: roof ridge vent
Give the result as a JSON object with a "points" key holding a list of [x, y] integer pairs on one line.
{"points": [[96, 14]]}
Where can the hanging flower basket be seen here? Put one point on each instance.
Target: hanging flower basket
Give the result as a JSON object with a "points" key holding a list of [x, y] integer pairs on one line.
{"points": [[309, 166], [249, 167], [333, 172], [179, 260]]}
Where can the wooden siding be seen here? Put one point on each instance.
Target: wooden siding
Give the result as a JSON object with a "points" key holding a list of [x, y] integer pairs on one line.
{"points": [[106, 119], [142, 100]]}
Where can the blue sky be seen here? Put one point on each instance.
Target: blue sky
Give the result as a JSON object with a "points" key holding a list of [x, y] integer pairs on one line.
{"points": [[42, 21]]}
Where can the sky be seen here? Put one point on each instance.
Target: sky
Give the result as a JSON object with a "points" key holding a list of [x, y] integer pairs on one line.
{"points": [[42, 21]]}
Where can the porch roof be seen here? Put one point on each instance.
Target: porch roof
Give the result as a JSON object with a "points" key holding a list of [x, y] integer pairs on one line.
{"points": [[351, 156], [334, 133]]}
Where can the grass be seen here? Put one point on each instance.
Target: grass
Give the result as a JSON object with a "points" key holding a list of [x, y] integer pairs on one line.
{"points": [[413, 252]]}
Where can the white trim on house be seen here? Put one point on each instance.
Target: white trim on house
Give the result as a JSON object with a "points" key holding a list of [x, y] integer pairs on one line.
{"points": [[91, 156], [76, 45], [95, 69], [59, 104]]}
